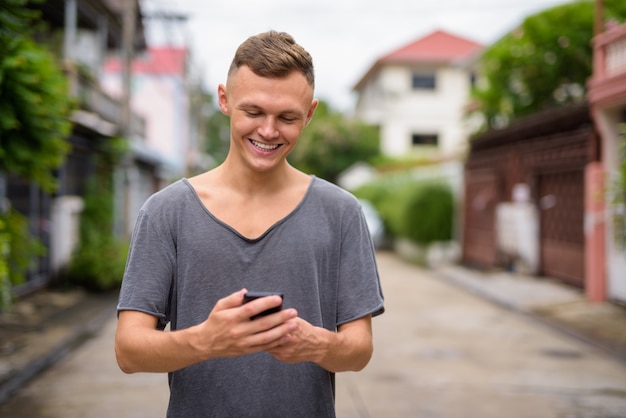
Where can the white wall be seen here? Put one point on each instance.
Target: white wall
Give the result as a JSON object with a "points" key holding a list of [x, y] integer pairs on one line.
{"points": [[163, 102], [616, 255], [389, 101], [65, 222]]}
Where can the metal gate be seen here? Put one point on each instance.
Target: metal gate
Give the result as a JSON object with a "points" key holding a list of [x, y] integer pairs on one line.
{"points": [[479, 243], [562, 250]]}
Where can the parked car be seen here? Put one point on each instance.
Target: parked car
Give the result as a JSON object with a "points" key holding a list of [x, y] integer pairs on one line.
{"points": [[374, 223]]}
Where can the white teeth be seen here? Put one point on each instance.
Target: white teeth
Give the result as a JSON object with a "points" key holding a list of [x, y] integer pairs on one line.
{"points": [[264, 147]]}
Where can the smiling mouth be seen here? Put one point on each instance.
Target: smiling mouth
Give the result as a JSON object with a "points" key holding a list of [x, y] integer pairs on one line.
{"points": [[264, 147]]}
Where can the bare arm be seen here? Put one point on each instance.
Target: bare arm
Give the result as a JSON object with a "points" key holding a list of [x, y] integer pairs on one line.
{"points": [[227, 332], [348, 349]]}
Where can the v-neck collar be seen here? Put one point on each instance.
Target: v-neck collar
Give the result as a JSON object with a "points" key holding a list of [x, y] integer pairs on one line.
{"points": [[235, 231]]}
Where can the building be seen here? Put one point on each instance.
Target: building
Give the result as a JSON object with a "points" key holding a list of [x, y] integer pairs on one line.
{"points": [[525, 195], [80, 34], [605, 224], [547, 194], [417, 94], [162, 95]]}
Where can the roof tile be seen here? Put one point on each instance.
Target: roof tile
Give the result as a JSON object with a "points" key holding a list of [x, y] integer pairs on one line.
{"points": [[439, 46]]}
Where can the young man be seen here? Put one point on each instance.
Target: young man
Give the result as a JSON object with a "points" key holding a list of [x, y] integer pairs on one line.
{"points": [[254, 223]]}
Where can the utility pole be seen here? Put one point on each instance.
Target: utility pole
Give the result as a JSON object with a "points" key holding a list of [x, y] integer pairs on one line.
{"points": [[128, 46], [598, 26], [122, 175], [168, 19]]}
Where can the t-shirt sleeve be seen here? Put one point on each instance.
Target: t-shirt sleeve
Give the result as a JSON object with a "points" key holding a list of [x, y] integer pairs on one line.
{"points": [[150, 267], [359, 290]]}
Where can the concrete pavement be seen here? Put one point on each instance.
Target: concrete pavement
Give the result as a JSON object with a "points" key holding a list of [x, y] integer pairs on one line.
{"points": [[87, 383], [42, 328], [554, 303], [453, 343], [445, 352]]}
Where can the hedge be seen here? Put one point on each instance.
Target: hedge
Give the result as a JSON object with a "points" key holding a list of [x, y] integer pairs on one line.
{"points": [[421, 211]]}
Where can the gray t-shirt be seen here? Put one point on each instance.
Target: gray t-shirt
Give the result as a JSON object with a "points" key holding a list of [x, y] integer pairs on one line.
{"points": [[183, 260]]}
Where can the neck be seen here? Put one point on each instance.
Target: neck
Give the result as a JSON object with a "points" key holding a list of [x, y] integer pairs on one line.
{"points": [[250, 182]]}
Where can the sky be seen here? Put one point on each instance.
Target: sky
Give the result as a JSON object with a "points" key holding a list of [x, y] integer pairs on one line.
{"points": [[344, 37]]}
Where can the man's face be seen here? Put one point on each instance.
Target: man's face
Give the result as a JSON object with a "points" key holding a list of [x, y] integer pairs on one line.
{"points": [[267, 115]]}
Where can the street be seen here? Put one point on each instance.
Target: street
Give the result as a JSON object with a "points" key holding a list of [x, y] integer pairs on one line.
{"points": [[440, 352]]}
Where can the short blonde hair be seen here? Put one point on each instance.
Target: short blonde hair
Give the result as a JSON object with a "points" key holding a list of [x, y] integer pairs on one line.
{"points": [[274, 55]]}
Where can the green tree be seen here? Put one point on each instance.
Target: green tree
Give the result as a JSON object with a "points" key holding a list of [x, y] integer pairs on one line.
{"points": [[34, 124], [331, 143], [543, 63], [34, 101], [98, 262], [217, 128]]}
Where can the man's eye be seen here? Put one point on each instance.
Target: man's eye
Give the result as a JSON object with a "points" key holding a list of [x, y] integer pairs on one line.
{"points": [[288, 119], [252, 114]]}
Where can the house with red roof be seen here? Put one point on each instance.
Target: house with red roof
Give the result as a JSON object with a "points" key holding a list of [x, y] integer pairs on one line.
{"points": [[605, 196], [160, 94], [417, 93]]}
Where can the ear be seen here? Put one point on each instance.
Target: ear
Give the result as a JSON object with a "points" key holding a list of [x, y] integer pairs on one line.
{"points": [[311, 111], [222, 99]]}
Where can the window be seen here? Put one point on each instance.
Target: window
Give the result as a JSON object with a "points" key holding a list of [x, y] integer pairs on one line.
{"points": [[424, 139], [473, 79], [423, 81]]}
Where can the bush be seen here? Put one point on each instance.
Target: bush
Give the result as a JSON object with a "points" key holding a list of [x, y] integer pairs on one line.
{"points": [[18, 251], [98, 262], [99, 266], [23, 247], [5, 285], [421, 211], [429, 213]]}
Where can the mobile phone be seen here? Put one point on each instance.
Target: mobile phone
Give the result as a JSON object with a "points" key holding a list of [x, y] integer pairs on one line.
{"points": [[250, 296]]}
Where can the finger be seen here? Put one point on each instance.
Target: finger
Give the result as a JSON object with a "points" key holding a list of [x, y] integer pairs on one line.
{"points": [[259, 305], [270, 338], [266, 323], [231, 301]]}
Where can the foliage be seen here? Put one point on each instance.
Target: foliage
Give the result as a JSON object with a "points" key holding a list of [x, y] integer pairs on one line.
{"points": [[217, 133], [617, 192], [623, 155], [421, 211], [428, 214], [5, 284], [23, 249], [98, 262], [400, 164], [543, 63], [112, 151], [18, 250], [15, 19], [34, 101], [331, 143]]}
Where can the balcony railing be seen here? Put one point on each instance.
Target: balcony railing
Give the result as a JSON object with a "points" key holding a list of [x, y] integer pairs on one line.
{"points": [[607, 85], [616, 54], [609, 52], [92, 99]]}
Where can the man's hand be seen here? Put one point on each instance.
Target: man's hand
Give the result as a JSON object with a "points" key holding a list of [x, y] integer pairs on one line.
{"points": [[227, 332], [304, 343], [349, 349]]}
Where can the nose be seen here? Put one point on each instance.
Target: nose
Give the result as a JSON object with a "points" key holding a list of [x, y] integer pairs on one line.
{"points": [[268, 128]]}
